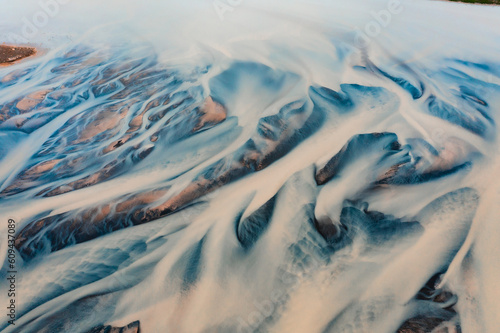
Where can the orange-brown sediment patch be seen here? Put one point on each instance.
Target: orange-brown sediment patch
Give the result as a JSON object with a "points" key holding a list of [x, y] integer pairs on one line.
{"points": [[105, 121], [32, 100], [212, 113]]}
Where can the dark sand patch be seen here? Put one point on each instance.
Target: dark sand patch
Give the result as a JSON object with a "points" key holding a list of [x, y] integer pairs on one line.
{"points": [[11, 54], [484, 2]]}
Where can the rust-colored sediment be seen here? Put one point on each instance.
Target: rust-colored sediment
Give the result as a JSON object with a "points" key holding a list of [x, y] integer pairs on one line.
{"points": [[212, 113], [11, 54], [29, 102]]}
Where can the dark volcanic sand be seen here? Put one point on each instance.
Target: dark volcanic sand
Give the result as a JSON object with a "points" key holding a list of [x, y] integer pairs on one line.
{"points": [[11, 54], [486, 2]]}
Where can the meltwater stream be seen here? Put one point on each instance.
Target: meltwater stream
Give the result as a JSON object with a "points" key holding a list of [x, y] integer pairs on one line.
{"points": [[253, 167]]}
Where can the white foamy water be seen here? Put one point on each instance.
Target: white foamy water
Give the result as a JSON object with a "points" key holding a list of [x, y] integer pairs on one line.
{"points": [[252, 166]]}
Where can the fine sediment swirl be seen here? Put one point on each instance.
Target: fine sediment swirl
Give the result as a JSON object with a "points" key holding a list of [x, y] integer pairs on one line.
{"points": [[283, 180]]}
